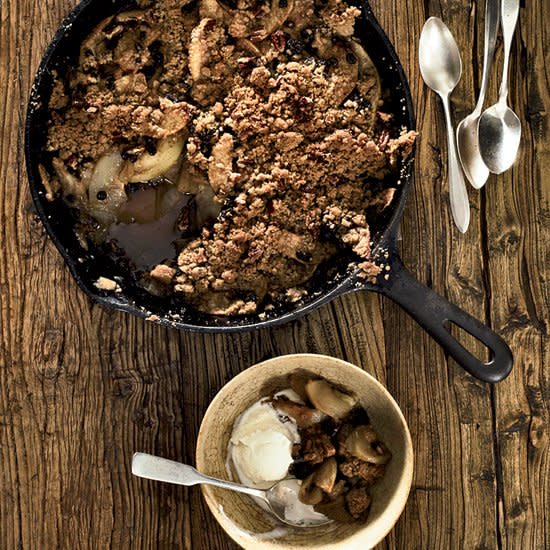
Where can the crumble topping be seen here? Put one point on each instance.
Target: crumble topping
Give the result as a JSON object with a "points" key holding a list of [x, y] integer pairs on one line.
{"points": [[255, 131]]}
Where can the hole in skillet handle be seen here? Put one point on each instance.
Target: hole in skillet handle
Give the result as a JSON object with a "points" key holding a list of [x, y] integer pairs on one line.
{"points": [[470, 342], [436, 315]]}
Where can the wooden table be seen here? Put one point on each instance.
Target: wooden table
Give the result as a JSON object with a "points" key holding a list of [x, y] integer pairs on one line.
{"points": [[82, 388]]}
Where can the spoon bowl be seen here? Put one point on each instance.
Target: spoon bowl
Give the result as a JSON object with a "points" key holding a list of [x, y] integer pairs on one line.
{"points": [[473, 165], [276, 498], [440, 62], [499, 137]]}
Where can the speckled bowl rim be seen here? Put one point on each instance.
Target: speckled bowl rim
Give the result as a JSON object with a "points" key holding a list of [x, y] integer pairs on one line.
{"points": [[379, 529]]}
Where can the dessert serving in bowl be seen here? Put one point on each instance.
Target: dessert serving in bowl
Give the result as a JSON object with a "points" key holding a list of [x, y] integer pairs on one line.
{"points": [[221, 166], [362, 500]]}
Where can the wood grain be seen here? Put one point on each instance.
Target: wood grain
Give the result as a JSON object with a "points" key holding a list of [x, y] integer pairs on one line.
{"points": [[81, 388]]}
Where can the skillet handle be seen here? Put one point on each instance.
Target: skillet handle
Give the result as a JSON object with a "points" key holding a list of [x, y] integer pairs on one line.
{"points": [[434, 313]]}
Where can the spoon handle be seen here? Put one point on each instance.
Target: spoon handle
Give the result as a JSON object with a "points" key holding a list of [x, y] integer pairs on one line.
{"points": [[509, 19], [492, 19], [168, 471], [458, 195]]}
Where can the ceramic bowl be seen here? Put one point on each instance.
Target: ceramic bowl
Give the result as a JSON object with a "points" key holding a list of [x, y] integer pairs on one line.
{"points": [[250, 526]]}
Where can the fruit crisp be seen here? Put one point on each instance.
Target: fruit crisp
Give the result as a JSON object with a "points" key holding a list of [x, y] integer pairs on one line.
{"points": [[249, 136]]}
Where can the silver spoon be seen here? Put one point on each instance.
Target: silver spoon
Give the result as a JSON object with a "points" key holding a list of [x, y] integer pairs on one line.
{"points": [[499, 126], [441, 68], [168, 471], [467, 132]]}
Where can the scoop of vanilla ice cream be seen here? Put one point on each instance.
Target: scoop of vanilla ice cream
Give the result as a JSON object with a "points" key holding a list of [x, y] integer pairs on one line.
{"points": [[261, 446]]}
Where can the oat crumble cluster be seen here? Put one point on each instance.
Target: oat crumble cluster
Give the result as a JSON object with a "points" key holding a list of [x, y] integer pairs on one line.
{"points": [[267, 117]]}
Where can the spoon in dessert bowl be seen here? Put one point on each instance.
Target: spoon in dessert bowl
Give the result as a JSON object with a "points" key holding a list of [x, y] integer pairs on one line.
{"points": [[467, 136], [441, 69], [499, 126], [278, 498]]}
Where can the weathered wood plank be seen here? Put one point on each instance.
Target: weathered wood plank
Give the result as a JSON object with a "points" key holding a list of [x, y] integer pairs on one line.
{"points": [[518, 252]]}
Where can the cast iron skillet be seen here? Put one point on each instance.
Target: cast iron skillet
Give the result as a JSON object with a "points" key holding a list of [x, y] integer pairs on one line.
{"points": [[431, 311]]}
